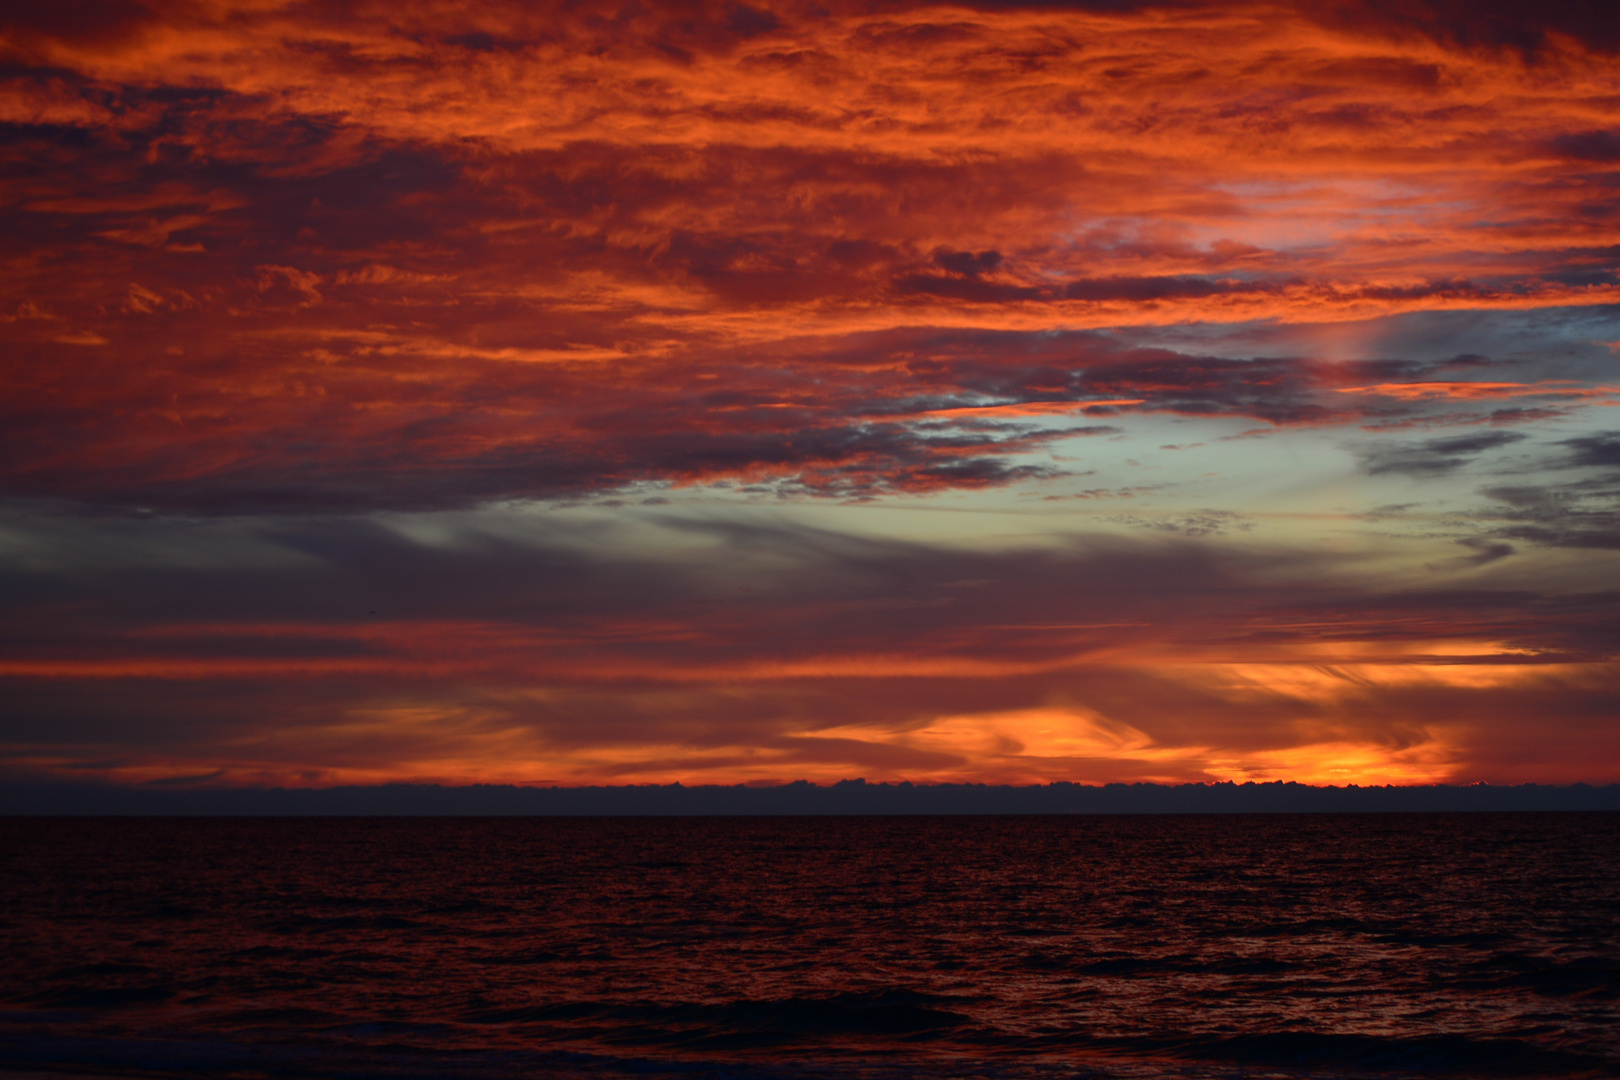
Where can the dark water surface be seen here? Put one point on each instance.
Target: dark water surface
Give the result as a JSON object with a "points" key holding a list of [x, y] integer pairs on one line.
{"points": [[1222, 946]]}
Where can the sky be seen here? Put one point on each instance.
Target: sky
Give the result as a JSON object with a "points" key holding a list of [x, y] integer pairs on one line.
{"points": [[623, 393]]}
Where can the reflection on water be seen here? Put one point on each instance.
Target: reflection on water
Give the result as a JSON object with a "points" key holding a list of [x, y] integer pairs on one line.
{"points": [[1378, 945]]}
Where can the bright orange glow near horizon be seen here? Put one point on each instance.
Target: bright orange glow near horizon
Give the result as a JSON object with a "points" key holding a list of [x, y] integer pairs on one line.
{"points": [[597, 393]]}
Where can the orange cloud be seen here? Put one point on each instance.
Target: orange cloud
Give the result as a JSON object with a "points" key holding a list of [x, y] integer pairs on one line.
{"points": [[366, 215], [1475, 391]]}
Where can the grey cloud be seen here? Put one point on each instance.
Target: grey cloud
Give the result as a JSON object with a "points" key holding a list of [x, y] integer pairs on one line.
{"points": [[1195, 524], [1485, 550], [1433, 457], [1573, 515], [1602, 449]]}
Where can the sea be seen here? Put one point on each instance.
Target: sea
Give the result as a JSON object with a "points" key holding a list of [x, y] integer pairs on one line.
{"points": [[1152, 946]]}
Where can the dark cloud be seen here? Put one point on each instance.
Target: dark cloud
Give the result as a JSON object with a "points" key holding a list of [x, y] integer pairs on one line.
{"points": [[1578, 529], [1153, 288], [1485, 551], [972, 289], [1578, 514], [1524, 416], [1528, 29], [1588, 145], [1601, 450], [1457, 288], [1435, 457], [81, 22], [1281, 391], [747, 22], [967, 263]]}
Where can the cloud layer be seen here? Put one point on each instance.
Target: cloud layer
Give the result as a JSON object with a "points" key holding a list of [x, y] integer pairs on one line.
{"points": [[353, 650], [300, 256], [408, 390]]}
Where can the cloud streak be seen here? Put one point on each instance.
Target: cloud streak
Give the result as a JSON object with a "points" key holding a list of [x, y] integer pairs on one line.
{"points": [[346, 651]]}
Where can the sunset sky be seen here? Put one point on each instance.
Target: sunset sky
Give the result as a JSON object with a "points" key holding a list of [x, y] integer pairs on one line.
{"points": [[635, 392]]}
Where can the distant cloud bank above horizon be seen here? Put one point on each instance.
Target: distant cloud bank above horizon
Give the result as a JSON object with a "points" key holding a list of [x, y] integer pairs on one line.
{"points": [[606, 393], [798, 799]]}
